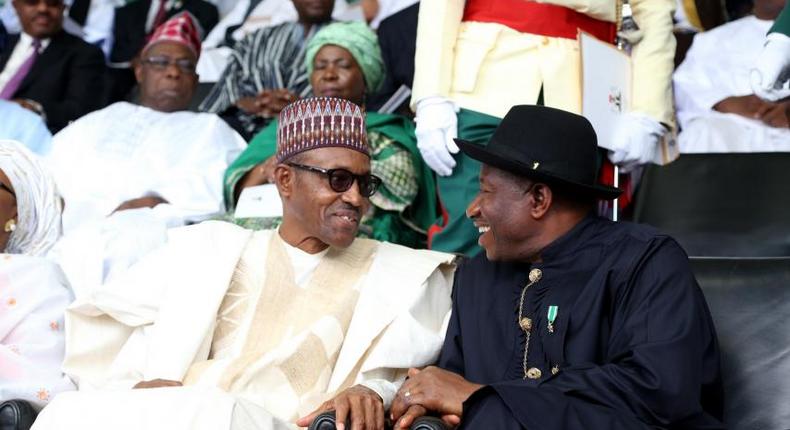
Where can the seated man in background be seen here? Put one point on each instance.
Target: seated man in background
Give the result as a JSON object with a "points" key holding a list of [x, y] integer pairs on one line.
{"points": [[249, 16], [717, 109], [23, 126], [132, 28], [48, 71], [267, 70], [569, 320], [155, 155], [344, 61], [230, 328]]}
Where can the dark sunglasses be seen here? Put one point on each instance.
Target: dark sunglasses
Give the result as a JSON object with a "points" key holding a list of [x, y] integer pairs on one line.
{"points": [[49, 3], [5, 187], [162, 62], [341, 180]]}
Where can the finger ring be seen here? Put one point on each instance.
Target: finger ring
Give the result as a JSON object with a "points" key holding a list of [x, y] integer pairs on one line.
{"points": [[407, 394]]}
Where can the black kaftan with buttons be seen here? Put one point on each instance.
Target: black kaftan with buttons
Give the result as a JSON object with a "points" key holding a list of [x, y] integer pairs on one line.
{"points": [[632, 345]]}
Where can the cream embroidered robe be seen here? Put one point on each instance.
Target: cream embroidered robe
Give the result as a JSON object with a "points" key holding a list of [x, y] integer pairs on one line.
{"points": [[367, 314]]}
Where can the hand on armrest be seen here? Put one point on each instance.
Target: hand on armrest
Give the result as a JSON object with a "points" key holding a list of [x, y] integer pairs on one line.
{"points": [[431, 390], [357, 404]]}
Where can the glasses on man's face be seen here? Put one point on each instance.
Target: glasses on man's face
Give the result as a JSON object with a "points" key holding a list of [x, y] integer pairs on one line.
{"points": [[341, 180], [49, 3], [162, 62]]}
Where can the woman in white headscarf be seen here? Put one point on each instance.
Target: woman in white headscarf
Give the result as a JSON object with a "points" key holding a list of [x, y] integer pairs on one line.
{"points": [[33, 291]]}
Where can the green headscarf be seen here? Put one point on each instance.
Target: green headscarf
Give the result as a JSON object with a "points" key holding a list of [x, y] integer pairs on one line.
{"points": [[360, 41]]}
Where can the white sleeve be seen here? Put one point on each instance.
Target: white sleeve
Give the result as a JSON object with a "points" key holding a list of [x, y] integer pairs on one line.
{"points": [[195, 186], [696, 88]]}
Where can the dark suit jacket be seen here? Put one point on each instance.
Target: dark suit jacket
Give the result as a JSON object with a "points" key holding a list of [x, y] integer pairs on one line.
{"points": [[129, 27], [67, 79], [3, 38], [398, 39]]}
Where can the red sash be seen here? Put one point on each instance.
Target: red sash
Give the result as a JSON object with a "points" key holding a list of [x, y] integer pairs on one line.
{"points": [[536, 18]]}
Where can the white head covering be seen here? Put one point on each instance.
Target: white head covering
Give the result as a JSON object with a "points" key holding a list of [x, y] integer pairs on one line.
{"points": [[38, 202]]}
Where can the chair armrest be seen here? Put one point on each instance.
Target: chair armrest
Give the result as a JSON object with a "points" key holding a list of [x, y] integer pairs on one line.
{"points": [[429, 423], [326, 421], [16, 415]]}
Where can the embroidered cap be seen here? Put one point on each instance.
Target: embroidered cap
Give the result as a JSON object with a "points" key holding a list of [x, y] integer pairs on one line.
{"points": [[320, 122], [181, 28]]}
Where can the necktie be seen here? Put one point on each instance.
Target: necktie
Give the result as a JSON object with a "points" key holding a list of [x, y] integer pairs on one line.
{"points": [[16, 80]]}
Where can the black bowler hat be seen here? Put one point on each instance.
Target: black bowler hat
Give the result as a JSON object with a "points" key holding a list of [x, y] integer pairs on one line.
{"points": [[545, 144]]}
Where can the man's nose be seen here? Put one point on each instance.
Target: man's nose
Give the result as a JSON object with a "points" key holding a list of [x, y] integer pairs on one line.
{"points": [[353, 196], [172, 70], [473, 210]]}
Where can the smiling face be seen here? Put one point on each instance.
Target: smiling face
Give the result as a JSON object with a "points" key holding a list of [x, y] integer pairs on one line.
{"points": [[504, 213], [314, 215], [314, 11], [40, 19], [7, 208], [337, 74], [167, 78]]}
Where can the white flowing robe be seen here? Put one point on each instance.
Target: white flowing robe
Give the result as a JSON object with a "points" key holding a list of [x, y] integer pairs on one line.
{"points": [[33, 297], [716, 67], [159, 319], [125, 151]]}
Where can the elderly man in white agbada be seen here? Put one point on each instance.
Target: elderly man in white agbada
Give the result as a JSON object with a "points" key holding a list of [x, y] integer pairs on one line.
{"points": [[717, 109], [156, 154], [229, 328], [33, 291]]}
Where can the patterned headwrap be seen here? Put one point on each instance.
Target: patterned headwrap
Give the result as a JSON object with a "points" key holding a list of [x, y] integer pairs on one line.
{"points": [[358, 39], [38, 202], [320, 122], [182, 28]]}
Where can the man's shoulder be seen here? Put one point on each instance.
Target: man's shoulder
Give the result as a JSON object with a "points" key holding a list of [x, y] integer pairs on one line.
{"points": [[264, 33], [210, 229], [408, 268], [133, 7], [725, 31], [408, 255], [630, 239], [67, 41], [99, 118]]}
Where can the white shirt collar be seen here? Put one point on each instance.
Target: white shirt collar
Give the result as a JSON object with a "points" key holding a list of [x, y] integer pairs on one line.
{"points": [[27, 40]]}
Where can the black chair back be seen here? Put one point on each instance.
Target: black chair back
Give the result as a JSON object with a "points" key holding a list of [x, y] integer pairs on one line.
{"points": [[750, 303], [724, 205]]}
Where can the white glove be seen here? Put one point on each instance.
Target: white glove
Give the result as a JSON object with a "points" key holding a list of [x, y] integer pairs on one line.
{"points": [[770, 77], [437, 126], [634, 140]]}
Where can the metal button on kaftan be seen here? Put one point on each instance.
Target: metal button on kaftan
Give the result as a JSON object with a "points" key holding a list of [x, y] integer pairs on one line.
{"points": [[534, 373], [525, 324]]}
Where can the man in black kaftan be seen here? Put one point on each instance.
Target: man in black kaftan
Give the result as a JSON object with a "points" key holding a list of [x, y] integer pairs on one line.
{"points": [[569, 320]]}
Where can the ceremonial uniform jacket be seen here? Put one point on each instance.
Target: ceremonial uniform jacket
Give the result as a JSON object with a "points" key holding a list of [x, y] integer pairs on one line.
{"points": [[488, 67], [632, 344]]}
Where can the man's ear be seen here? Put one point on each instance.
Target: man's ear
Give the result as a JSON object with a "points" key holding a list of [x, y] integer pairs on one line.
{"points": [[541, 200], [284, 179], [137, 65]]}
